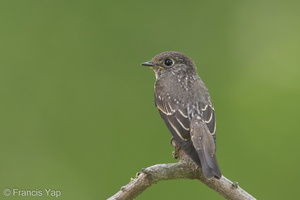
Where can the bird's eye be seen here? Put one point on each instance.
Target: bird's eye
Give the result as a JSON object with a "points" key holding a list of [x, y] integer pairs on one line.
{"points": [[168, 62]]}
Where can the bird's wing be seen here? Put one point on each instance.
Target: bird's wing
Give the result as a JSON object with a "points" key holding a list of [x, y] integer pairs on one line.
{"points": [[177, 120], [193, 127], [207, 114], [175, 115]]}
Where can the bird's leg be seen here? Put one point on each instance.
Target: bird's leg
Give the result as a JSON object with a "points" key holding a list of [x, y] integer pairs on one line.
{"points": [[175, 153]]}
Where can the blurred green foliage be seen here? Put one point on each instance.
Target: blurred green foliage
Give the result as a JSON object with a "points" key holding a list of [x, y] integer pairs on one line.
{"points": [[77, 111]]}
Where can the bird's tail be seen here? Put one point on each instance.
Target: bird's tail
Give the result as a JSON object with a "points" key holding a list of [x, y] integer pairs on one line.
{"points": [[204, 144]]}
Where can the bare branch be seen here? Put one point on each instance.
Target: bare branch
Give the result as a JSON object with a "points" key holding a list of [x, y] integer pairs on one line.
{"points": [[184, 169]]}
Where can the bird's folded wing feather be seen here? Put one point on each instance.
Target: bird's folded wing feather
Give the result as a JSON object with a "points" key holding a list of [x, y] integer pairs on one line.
{"points": [[175, 116]]}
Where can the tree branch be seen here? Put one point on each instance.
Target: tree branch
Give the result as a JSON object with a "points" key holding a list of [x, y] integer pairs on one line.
{"points": [[184, 169]]}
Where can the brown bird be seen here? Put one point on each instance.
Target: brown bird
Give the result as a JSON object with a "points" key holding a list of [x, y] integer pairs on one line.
{"points": [[184, 104]]}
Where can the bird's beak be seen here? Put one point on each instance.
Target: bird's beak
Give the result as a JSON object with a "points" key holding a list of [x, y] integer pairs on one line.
{"points": [[151, 65]]}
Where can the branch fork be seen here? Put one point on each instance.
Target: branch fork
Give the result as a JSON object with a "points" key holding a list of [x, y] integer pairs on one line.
{"points": [[184, 169]]}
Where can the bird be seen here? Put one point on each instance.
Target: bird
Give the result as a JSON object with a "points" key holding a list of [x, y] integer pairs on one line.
{"points": [[185, 106]]}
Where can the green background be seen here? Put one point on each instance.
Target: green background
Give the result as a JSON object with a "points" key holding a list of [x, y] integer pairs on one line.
{"points": [[77, 112]]}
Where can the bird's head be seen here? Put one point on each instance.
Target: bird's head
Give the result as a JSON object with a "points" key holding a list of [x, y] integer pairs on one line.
{"points": [[170, 62]]}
